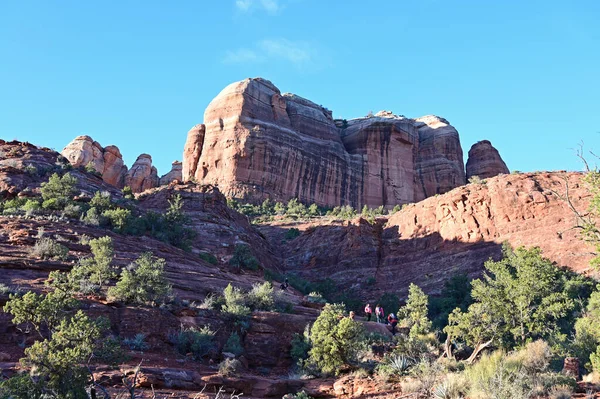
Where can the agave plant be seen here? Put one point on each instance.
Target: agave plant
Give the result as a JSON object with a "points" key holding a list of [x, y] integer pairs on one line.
{"points": [[400, 364], [442, 391]]}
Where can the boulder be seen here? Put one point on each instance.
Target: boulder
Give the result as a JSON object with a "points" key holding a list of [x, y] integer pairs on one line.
{"points": [[484, 161], [173, 175], [84, 151], [142, 175]]}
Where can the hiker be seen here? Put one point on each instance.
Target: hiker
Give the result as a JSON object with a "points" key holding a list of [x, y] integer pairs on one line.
{"points": [[379, 313], [284, 285], [368, 311], [352, 315], [393, 320]]}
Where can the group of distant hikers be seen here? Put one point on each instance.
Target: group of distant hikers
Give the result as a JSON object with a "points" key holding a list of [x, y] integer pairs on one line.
{"points": [[392, 319]]}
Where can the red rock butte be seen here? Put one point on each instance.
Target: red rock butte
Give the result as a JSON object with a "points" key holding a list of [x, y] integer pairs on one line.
{"points": [[258, 143]]}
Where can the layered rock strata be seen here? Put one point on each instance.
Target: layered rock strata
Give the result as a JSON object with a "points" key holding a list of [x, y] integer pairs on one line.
{"points": [[142, 175], [107, 161], [258, 143], [485, 161]]}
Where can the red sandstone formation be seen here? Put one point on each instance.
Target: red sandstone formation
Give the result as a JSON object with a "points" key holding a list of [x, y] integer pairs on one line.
{"points": [[142, 175], [192, 151], [83, 150], [430, 241], [257, 143], [485, 161], [173, 175]]}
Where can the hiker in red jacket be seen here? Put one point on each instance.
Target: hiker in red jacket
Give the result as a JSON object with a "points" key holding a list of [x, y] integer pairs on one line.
{"points": [[368, 311]]}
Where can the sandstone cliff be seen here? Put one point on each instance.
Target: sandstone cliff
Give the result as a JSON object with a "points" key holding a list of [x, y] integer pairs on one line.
{"points": [[83, 150], [142, 174], [258, 143], [485, 161], [430, 241]]}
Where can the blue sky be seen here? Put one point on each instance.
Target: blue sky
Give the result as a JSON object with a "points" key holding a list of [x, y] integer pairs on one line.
{"points": [[139, 73]]}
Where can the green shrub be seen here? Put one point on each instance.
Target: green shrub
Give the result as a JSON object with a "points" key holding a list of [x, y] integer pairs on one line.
{"points": [[47, 248], [230, 367], [119, 218], [235, 302], [143, 282], [234, 344], [261, 297], [72, 211], [128, 193], [92, 217], [137, 342], [97, 268], [210, 258], [58, 191], [292, 233], [297, 395], [101, 201], [198, 342], [316, 297], [334, 342], [110, 352], [243, 258], [300, 346], [31, 206]]}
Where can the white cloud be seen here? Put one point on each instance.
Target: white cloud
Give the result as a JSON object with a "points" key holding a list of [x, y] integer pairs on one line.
{"points": [[243, 5], [299, 54], [270, 6], [241, 56], [295, 52]]}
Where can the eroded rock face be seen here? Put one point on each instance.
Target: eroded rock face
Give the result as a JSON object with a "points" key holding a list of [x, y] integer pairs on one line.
{"points": [[142, 175], [485, 161], [173, 175], [192, 151], [257, 143], [83, 150], [428, 242]]}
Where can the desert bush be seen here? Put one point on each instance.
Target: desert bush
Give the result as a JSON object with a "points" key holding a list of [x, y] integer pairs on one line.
{"points": [[137, 342], [561, 392], [476, 180], [72, 211], [31, 206], [427, 375], [110, 352], [47, 248], [92, 217], [230, 367], [316, 297], [210, 258], [297, 395], [300, 346], [292, 233], [261, 297], [143, 282], [243, 258], [453, 386], [210, 301], [58, 191], [234, 344], [235, 302], [96, 269], [198, 342], [334, 342], [119, 218], [101, 201]]}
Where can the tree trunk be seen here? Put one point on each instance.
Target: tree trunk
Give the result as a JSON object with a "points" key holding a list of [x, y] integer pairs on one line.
{"points": [[478, 348], [448, 348]]}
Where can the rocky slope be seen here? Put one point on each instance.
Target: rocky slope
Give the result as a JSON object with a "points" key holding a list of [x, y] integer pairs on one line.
{"points": [[428, 242], [258, 143]]}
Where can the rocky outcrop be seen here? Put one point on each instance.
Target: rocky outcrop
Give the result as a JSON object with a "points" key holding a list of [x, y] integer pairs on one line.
{"points": [[173, 175], [84, 151], [258, 143], [24, 167], [192, 151], [142, 175], [430, 241], [484, 161]]}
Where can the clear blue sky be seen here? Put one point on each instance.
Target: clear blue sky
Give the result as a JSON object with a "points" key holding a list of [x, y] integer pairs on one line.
{"points": [[139, 74]]}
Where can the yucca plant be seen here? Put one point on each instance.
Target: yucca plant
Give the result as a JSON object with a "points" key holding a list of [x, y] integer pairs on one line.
{"points": [[400, 364]]}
